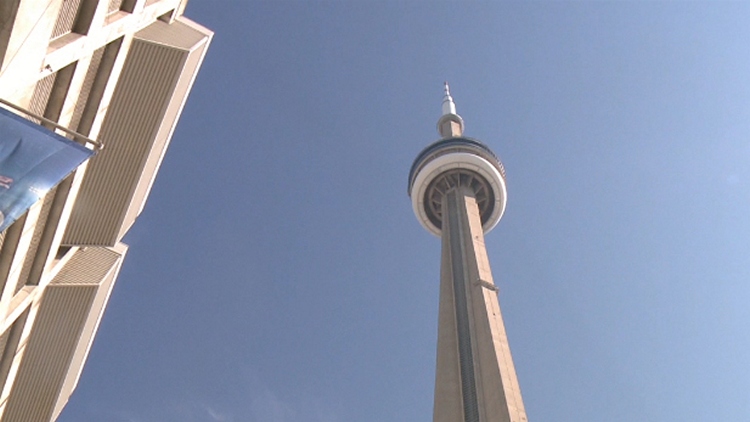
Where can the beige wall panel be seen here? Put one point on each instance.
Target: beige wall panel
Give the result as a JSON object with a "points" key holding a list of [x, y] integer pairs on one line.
{"points": [[61, 334], [143, 111], [171, 115], [89, 330]]}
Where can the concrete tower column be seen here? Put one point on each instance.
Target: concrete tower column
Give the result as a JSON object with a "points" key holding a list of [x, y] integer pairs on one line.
{"points": [[475, 379], [457, 187]]}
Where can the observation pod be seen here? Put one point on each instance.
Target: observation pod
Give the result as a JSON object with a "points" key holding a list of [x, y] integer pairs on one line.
{"points": [[452, 162]]}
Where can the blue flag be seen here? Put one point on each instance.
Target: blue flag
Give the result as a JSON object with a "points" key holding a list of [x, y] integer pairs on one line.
{"points": [[33, 160]]}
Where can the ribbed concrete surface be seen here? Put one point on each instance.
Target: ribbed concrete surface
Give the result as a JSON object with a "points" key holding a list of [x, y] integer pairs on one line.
{"points": [[41, 95], [113, 6], [31, 254], [92, 323], [85, 91], [66, 18], [44, 349], [12, 338], [64, 326], [177, 35], [136, 131]]}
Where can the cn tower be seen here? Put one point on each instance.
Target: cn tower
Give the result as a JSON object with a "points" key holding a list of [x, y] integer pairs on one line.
{"points": [[457, 190]]}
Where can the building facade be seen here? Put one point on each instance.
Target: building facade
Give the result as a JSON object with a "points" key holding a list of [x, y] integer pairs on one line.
{"points": [[458, 193], [119, 72]]}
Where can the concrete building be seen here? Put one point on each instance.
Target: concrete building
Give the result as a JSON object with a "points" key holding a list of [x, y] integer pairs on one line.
{"points": [[118, 71], [457, 188]]}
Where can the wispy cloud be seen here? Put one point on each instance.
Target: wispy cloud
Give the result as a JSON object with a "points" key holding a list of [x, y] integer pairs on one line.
{"points": [[217, 416], [192, 410], [266, 406], [250, 400]]}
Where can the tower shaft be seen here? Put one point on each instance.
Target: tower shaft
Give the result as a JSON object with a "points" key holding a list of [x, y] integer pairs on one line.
{"points": [[476, 380]]}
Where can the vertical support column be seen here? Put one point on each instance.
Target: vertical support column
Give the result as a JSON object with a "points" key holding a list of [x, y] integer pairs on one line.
{"points": [[473, 354]]}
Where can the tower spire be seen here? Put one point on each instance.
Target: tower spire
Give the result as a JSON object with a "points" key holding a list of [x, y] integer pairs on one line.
{"points": [[450, 124], [449, 107]]}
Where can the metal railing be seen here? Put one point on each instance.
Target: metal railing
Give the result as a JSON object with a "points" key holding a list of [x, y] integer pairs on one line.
{"points": [[75, 135]]}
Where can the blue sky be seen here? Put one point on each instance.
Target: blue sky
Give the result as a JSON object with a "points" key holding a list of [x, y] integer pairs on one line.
{"points": [[278, 274]]}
